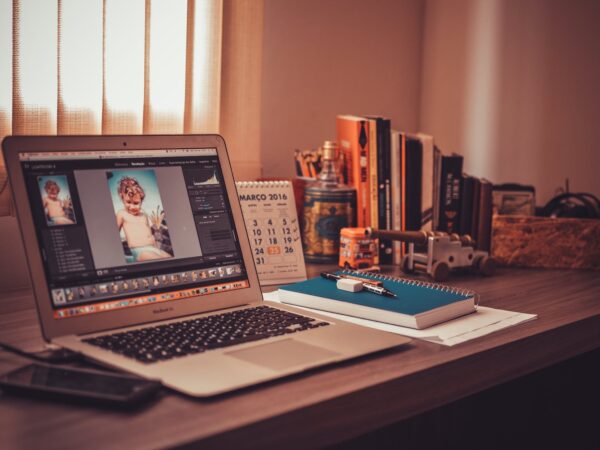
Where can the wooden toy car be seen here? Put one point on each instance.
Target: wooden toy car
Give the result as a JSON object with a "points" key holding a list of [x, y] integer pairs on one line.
{"points": [[442, 252], [446, 252]]}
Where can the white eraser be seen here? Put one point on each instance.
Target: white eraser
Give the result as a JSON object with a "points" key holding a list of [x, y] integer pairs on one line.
{"points": [[346, 284]]}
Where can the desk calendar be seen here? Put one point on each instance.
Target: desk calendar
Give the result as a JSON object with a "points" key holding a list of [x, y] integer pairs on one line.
{"points": [[273, 229]]}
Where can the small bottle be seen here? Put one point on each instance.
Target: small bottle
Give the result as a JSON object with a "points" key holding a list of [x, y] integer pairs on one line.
{"points": [[329, 206]]}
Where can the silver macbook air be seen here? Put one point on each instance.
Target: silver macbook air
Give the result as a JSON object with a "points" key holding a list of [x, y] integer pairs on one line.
{"points": [[139, 259]]}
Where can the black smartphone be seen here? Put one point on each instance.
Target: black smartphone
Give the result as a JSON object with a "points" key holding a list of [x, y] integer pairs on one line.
{"points": [[80, 385]]}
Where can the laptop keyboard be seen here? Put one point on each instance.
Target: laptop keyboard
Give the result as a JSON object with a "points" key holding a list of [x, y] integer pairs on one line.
{"points": [[163, 342]]}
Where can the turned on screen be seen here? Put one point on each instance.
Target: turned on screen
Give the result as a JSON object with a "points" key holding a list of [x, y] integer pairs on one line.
{"points": [[118, 229]]}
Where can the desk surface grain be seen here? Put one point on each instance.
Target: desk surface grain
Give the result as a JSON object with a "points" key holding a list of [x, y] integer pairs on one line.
{"points": [[326, 405]]}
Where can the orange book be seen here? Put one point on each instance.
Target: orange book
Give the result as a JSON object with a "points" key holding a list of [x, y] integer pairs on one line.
{"points": [[353, 140]]}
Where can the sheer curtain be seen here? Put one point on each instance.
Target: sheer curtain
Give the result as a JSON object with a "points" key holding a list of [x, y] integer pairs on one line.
{"points": [[129, 67]]}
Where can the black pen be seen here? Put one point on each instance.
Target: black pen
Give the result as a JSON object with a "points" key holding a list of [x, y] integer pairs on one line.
{"points": [[379, 290]]}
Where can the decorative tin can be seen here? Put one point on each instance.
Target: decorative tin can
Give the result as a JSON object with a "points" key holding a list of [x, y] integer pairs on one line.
{"points": [[329, 206]]}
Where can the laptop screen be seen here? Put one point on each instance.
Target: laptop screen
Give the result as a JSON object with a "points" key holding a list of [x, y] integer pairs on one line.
{"points": [[123, 228]]}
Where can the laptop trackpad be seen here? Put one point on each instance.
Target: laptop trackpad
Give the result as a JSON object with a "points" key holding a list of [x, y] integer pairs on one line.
{"points": [[283, 355]]}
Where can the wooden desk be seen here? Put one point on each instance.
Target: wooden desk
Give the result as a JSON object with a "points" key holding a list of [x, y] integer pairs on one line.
{"points": [[328, 405]]}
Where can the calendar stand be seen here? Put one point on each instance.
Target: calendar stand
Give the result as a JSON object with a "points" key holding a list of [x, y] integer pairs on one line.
{"points": [[273, 229]]}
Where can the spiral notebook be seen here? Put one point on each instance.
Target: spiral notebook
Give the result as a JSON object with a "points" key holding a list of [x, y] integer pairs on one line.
{"points": [[418, 304], [271, 220]]}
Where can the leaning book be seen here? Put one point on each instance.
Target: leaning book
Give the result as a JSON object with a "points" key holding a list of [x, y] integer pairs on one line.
{"points": [[417, 304]]}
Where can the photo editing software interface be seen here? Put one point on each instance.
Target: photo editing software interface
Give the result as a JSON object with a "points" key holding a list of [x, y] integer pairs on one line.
{"points": [[124, 228]]}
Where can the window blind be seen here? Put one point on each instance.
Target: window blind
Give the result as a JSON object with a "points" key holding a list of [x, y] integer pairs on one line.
{"points": [[109, 67]]}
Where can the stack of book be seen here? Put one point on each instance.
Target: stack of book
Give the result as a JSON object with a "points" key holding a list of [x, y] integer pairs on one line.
{"points": [[404, 182]]}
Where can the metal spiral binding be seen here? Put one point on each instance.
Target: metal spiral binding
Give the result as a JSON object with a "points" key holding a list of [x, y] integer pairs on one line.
{"points": [[249, 184], [411, 282]]}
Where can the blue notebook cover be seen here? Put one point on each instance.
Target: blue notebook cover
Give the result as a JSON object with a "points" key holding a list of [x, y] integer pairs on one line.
{"points": [[413, 298]]}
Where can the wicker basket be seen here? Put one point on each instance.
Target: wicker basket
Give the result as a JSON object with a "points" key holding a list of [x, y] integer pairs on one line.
{"points": [[545, 242]]}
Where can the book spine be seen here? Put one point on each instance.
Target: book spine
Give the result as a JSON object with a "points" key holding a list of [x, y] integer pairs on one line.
{"points": [[349, 309], [380, 176], [427, 182], [403, 190], [353, 138], [403, 182], [437, 174], [384, 213], [363, 171], [466, 205], [384, 194], [374, 165], [387, 186], [414, 168], [450, 193], [484, 232], [475, 213], [395, 138], [345, 131]]}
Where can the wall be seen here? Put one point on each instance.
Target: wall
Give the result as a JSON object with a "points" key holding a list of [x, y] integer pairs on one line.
{"points": [[512, 85], [241, 85], [13, 272], [327, 57]]}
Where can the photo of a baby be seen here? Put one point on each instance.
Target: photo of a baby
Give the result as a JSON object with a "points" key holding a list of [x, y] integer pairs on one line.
{"points": [[145, 236], [56, 200]]}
